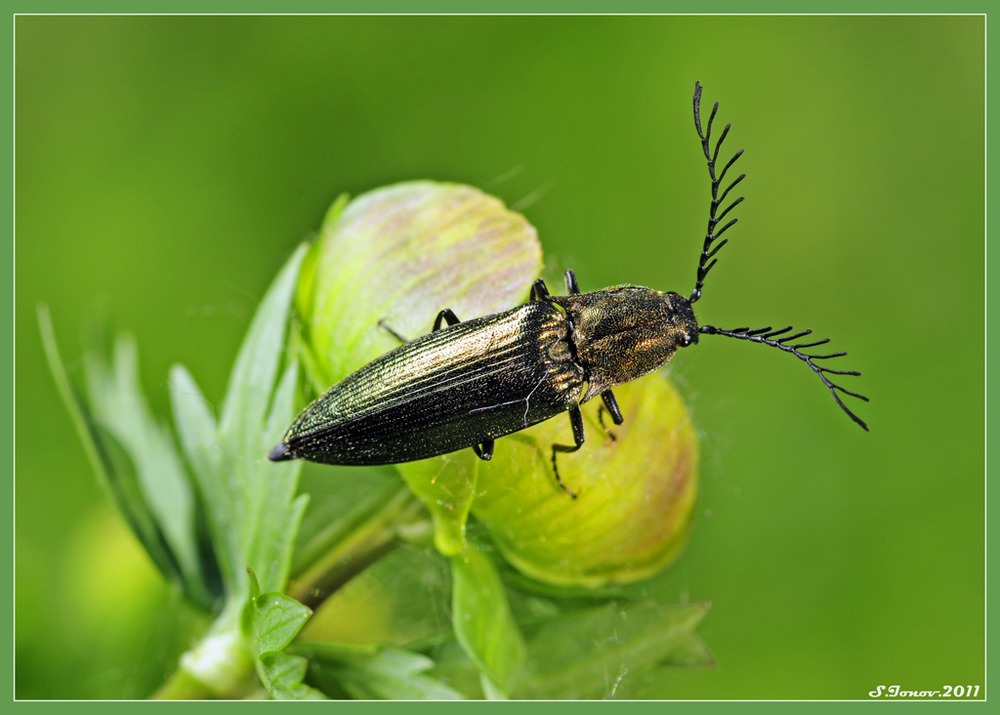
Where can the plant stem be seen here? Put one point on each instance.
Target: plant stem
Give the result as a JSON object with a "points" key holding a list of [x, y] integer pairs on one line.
{"points": [[372, 539]]}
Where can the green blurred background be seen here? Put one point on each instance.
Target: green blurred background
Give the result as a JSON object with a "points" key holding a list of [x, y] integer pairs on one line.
{"points": [[166, 166]]}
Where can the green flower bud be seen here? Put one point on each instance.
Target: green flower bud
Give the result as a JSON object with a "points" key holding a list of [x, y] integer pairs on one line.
{"points": [[635, 492]]}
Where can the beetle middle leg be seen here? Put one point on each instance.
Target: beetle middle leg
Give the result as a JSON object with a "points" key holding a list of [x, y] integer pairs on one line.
{"points": [[387, 328], [446, 315], [540, 291], [576, 422], [611, 407]]}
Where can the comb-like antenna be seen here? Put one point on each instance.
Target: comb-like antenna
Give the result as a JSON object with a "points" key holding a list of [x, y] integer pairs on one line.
{"points": [[714, 216], [767, 336]]}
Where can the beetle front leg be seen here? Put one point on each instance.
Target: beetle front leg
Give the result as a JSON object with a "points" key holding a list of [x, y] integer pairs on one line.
{"points": [[484, 450], [576, 422], [571, 287], [539, 291]]}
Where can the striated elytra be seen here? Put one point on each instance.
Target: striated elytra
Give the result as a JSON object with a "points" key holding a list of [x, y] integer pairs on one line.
{"points": [[469, 383]]}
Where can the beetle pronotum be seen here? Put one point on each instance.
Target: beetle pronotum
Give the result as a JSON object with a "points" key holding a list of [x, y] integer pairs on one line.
{"points": [[472, 382]]}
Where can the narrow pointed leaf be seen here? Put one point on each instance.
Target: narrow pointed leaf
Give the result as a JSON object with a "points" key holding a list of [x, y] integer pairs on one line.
{"points": [[249, 499], [256, 368], [194, 421], [143, 475], [118, 404]]}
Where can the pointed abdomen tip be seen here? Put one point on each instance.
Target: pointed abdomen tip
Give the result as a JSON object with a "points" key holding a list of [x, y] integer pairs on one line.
{"points": [[280, 453]]}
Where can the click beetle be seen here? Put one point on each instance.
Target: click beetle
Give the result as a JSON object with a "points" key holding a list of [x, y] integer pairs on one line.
{"points": [[472, 382]]}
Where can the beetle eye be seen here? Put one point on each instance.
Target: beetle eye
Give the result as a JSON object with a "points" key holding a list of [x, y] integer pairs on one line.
{"points": [[685, 340]]}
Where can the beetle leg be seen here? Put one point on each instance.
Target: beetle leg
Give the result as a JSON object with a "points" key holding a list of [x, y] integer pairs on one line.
{"points": [[600, 418], [571, 287], [385, 326], [446, 315], [485, 450], [576, 422], [612, 404], [611, 407], [539, 291]]}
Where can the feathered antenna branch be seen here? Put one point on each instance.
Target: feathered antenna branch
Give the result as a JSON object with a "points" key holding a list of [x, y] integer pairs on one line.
{"points": [[766, 336], [709, 250]]}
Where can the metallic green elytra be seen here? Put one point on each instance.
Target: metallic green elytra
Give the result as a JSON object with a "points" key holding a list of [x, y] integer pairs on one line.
{"points": [[470, 383], [437, 390]]}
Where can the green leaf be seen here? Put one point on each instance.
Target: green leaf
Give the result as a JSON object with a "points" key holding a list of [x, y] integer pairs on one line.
{"points": [[136, 460], [282, 675], [118, 404], [446, 486], [584, 654], [691, 652], [276, 534], [354, 543], [275, 620], [249, 501], [370, 672], [401, 254], [660, 683], [248, 396], [342, 500], [482, 618]]}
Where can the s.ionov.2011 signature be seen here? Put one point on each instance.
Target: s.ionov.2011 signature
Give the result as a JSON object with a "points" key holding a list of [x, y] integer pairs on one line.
{"points": [[946, 691]]}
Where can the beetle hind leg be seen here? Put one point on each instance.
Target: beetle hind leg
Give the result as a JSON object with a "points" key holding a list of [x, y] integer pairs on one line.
{"points": [[611, 407], [576, 422]]}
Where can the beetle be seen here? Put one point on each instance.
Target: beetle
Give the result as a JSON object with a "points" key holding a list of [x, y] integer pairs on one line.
{"points": [[469, 383]]}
